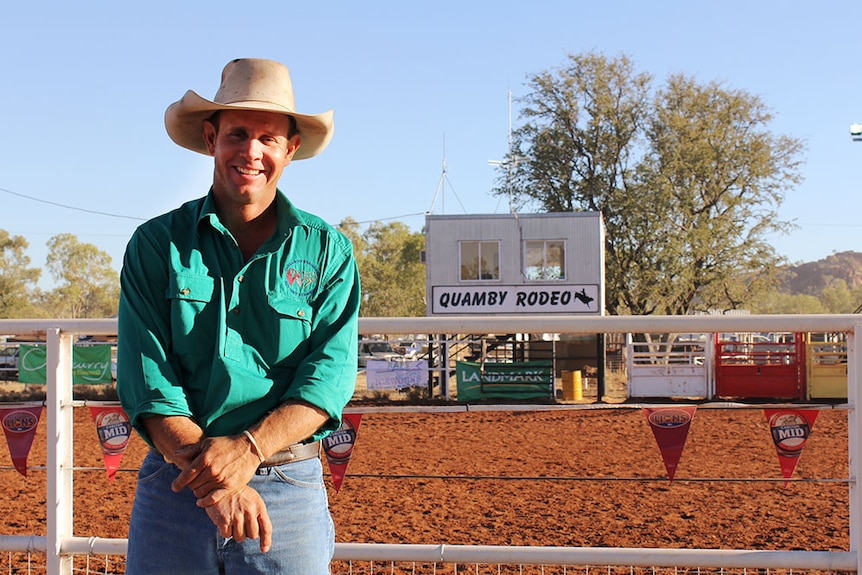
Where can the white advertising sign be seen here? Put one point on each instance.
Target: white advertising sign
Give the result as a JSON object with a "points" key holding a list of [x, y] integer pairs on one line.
{"points": [[381, 374], [522, 299]]}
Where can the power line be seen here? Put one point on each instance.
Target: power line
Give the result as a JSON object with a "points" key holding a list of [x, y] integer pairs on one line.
{"points": [[392, 218], [123, 216], [829, 225], [68, 207]]}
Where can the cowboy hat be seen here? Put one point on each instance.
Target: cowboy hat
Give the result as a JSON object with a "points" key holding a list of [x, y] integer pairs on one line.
{"points": [[248, 84]]}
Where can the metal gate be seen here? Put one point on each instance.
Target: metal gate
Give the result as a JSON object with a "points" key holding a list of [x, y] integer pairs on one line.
{"points": [[681, 368], [826, 366], [750, 366]]}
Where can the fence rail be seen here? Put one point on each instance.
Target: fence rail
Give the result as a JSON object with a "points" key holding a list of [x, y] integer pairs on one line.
{"points": [[60, 544]]}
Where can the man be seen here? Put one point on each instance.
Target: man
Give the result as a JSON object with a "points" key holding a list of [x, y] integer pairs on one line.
{"points": [[237, 345]]}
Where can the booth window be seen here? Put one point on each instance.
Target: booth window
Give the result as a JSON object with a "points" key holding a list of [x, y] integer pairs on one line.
{"points": [[545, 260], [480, 260]]}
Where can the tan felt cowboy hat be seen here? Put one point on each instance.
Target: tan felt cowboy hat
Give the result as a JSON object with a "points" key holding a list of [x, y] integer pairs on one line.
{"points": [[248, 84]]}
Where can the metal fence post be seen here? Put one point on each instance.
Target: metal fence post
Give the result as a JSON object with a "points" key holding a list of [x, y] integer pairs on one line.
{"points": [[60, 449]]}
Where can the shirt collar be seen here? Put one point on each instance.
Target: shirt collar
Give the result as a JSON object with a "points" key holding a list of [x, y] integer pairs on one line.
{"points": [[288, 216]]}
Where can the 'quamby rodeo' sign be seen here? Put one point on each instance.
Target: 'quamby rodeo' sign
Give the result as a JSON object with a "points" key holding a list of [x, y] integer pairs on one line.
{"points": [[515, 299]]}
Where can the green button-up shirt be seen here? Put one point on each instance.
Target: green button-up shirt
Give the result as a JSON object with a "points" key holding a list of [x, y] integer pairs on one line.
{"points": [[205, 334]]}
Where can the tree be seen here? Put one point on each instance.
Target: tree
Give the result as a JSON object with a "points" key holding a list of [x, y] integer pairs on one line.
{"points": [[88, 286], [687, 178], [785, 303], [18, 281], [391, 273], [837, 297]]}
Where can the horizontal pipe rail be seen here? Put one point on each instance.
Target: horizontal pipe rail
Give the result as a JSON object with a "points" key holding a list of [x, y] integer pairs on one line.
{"points": [[611, 324], [518, 324], [23, 543], [645, 557], [488, 554]]}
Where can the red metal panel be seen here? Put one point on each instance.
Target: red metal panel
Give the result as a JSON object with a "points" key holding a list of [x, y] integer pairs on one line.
{"points": [[760, 369]]}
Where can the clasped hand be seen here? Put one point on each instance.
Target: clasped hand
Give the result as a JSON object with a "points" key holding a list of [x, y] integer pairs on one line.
{"points": [[218, 473]]}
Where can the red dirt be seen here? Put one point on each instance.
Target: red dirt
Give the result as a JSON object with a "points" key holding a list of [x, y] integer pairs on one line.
{"points": [[559, 478]]}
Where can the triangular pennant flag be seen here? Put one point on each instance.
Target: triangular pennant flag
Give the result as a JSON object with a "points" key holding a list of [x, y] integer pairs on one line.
{"points": [[114, 430], [670, 428], [790, 430], [19, 425], [338, 447]]}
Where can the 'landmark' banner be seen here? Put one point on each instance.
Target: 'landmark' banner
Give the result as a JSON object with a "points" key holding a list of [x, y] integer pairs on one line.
{"points": [[516, 380]]}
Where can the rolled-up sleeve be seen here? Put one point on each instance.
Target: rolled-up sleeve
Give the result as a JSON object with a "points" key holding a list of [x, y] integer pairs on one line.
{"points": [[147, 379], [326, 377]]}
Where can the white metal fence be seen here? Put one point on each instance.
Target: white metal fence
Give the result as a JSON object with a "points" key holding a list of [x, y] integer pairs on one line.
{"points": [[60, 544]]}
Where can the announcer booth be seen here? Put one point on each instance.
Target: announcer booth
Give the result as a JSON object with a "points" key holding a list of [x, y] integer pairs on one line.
{"points": [[519, 264]]}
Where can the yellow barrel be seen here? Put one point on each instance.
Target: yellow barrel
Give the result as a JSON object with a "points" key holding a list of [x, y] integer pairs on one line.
{"points": [[572, 385]]}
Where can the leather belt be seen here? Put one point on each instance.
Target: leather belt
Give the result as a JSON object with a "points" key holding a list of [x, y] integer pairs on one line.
{"points": [[292, 454]]}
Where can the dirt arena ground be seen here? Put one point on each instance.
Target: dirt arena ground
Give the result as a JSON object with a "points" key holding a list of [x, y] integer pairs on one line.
{"points": [[589, 477]]}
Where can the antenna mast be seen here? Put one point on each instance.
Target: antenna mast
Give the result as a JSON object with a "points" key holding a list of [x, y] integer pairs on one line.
{"points": [[511, 160], [441, 186]]}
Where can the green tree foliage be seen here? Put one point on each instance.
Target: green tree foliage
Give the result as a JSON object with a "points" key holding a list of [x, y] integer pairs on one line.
{"points": [[87, 284], [688, 179], [18, 281], [785, 303], [392, 276], [836, 297]]}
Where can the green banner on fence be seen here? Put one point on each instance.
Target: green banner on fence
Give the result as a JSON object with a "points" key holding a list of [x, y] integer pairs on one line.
{"points": [[523, 380], [91, 364]]}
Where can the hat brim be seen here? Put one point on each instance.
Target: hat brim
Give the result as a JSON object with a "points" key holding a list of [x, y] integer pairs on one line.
{"points": [[184, 121]]}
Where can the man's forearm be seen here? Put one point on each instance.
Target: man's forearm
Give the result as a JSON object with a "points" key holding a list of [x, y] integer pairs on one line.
{"points": [[288, 424], [170, 433]]}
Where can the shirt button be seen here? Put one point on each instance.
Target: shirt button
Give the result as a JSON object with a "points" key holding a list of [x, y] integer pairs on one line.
{"points": [[185, 291], [300, 313], [240, 278]]}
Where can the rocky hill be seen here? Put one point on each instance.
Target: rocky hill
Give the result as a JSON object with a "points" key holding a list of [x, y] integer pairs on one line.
{"points": [[811, 277]]}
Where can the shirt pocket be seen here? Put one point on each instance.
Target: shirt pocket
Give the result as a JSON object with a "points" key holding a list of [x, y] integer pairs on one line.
{"points": [[293, 318], [192, 316]]}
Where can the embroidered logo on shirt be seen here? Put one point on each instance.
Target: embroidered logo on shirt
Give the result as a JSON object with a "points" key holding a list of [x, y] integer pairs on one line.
{"points": [[302, 277]]}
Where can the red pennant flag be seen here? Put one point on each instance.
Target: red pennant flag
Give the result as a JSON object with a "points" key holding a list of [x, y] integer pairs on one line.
{"points": [[114, 430], [338, 447], [790, 430], [670, 428], [19, 425]]}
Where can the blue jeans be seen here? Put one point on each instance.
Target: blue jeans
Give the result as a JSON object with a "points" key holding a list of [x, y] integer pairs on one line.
{"points": [[170, 535]]}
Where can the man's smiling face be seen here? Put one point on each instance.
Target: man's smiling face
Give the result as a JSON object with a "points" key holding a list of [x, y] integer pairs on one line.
{"points": [[251, 150]]}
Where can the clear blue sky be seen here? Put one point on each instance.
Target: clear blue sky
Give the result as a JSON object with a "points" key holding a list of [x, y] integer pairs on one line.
{"points": [[85, 86]]}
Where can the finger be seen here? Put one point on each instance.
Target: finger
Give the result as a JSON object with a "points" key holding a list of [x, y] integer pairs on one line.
{"points": [[239, 530], [204, 483], [223, 526], [210, 498], [265, 531], [185, 477], [252, 530], [203, 488], [187, 451]]}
